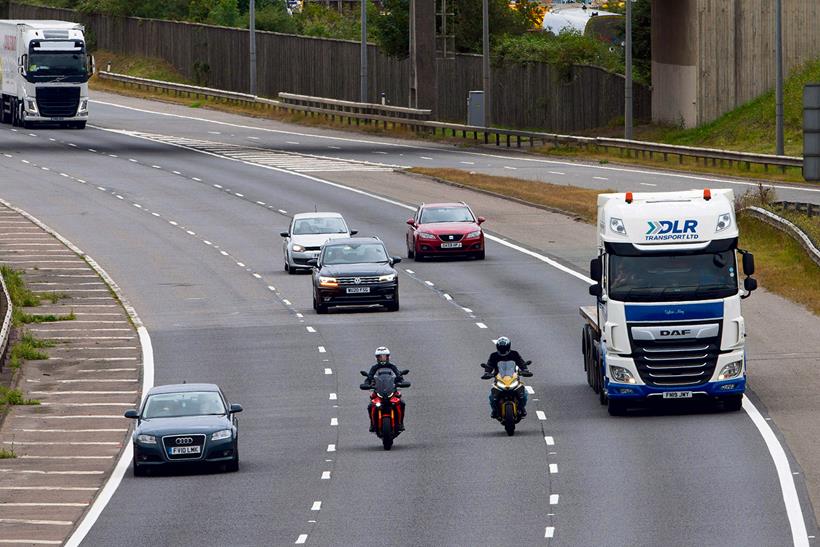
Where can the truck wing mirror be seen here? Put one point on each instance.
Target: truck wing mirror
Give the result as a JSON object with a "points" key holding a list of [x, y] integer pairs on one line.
{"points": [[749, 284], [748, 263], [595, 269], [596, 290]]}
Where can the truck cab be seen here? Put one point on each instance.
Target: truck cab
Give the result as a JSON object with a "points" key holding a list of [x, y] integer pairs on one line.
{"points": [[667, 321]]}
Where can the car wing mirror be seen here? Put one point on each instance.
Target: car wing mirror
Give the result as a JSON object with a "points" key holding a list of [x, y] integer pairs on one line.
{"points": [[284, 234], [312, 262], [481, 220], [132, 414], [411, 222], [236, 408], [395, 259], [354, 232]]}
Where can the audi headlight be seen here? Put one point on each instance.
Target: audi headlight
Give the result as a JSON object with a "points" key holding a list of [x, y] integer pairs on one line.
{"points": [[31, 105], [146, 439], [724, 221], [328, 281], [617, 226], [297, 248], [387, 278], [472, 235], [621, 375], [224, 434], [732, 370], [425, 235]]}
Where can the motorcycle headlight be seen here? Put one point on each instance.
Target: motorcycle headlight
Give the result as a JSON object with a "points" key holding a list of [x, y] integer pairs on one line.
{"points": [[732, 370], [297, 248], [146, 439], [617, 226], [621, 375], [31, 105], [514, 384], [224, 434], [387, 278], [328, 281], [724, 221], [475, 234], [425, 235]]}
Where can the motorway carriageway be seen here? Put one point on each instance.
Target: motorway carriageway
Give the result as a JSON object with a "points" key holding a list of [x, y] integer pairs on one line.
{"points": [[193, 241]]}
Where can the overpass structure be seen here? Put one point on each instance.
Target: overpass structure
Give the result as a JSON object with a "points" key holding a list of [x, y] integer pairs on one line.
{"points": [[710, 56]]}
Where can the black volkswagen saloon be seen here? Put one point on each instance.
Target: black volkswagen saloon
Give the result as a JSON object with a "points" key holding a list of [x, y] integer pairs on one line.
{"points": [[185, 424]]}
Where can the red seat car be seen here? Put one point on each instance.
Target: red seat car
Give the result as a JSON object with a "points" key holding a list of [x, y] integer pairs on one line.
{"points": [[439, 229]]}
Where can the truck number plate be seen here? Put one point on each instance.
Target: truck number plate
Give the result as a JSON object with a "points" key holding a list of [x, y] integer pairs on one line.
{"points": [[677, 395]]}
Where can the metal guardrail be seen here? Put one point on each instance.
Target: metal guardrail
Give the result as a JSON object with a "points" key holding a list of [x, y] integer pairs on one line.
{"points": [[399, 117], [809, 209], [5, 331], [790, 228]]}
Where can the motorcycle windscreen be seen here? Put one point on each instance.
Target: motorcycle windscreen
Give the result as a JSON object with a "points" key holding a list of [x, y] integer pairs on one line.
{"points": [[385, 382], [506, 368]]}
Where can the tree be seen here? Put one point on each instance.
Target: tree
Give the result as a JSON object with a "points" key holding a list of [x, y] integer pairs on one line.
{"points": [[468, 22], [390, 27]]}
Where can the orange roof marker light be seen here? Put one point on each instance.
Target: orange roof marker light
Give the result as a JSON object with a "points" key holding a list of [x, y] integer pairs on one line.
{"points": [[629, 197], [707, 194]]}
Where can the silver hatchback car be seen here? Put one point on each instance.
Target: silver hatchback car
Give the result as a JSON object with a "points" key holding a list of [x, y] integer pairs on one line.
{"points": [[307, 233]]}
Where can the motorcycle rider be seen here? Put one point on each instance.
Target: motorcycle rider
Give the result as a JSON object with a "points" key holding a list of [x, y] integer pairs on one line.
{"points": [[505, 353], [382, 355]]}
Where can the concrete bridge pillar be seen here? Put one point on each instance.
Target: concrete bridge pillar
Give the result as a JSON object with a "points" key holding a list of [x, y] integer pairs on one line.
{"points": [[675, 62]]}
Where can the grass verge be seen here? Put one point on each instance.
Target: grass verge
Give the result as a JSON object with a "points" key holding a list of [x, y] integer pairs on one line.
{"points": [[50, 318], [28, 348], [7, 454], [20, 295], [11, 397], [571, 200]]}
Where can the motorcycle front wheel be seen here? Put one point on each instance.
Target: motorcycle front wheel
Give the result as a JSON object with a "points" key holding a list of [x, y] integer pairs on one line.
{"points": [[387, 433], [509, 418]]}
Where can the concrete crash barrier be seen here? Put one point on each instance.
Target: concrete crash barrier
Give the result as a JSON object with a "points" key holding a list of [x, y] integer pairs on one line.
{"points": [[786, 226]]}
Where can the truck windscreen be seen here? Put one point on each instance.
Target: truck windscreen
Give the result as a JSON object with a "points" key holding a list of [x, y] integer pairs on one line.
{"points": [[56, 63], [665, 278]]}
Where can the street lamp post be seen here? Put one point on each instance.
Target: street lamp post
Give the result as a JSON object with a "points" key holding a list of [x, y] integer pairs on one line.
{"points": [[363, 73], [252, 28], [485, 67], [778, 39], [628, 73]]}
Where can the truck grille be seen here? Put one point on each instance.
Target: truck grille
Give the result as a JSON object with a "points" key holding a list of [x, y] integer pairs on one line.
{"points": [[58, 102], [676, 363], [185, 440]]}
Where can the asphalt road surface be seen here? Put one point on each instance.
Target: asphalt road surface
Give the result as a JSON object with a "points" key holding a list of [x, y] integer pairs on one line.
{"points": [[192, 239]]}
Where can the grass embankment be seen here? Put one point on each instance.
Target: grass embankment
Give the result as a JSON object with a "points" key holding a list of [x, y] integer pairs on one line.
{"points": [[783, 267], [10, 397]]}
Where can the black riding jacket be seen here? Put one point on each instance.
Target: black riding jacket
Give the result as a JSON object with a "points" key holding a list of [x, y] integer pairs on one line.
{"points": [[495, 357], [391, 366]]}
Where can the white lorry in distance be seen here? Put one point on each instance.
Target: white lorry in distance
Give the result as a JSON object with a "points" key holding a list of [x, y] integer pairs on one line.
{"points": [[44, 72], [667, 324]]}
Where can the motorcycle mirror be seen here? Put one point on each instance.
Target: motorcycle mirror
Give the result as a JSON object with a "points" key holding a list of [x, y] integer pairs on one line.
{"points": [[404, 384], [363, 373], [528, 363], [526, 374], [405, 371], [483, 365], [364, 387]]}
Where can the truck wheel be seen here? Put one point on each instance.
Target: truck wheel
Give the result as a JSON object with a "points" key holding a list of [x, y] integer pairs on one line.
{"points": [[733, 403]]}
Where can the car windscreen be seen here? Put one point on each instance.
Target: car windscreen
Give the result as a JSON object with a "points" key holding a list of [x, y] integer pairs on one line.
{"points": [[353, 253], [445, 214], [660, 278], [187, 403], [321, 225]]}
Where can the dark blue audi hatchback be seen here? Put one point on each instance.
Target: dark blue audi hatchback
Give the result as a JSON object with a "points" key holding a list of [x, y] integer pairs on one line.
{"points": [[184, 424]]}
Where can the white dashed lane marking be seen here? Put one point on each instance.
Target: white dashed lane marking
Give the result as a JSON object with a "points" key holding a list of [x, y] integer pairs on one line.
{"points": [[541, 415]]}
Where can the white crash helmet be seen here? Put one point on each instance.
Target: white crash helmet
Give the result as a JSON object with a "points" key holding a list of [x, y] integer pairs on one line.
{"points": [[382, 350]]}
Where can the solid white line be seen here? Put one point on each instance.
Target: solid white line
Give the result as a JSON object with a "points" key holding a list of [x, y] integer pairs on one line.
{"points": [[134, 392], [317, 506], [31, 541], [549, 440], [87, 404], [331, 448], [784, 475], [481, 325], [301, 539], [553, 468], [43, 504], [65, 457], [325, 475], [41, 472], [76, 417], [40, 522], [72, 443], [553, 499], [541, 415], [50, 488], [98, 430], [550, 532]]}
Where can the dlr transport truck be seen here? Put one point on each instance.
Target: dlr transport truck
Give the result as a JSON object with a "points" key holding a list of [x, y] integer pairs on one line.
{"points": [[667, 324], [44, 72]]}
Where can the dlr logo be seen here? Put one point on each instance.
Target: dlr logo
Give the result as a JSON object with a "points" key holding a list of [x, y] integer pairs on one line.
{"points": [[660, 227]]}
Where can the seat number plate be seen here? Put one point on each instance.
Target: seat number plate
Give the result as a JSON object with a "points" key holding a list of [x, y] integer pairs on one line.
{"points": [[358, 290], [451, 245], [677, 395]]}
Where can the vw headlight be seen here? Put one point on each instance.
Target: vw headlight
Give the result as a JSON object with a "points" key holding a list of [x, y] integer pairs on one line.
{"points": [[224, 434], [297, 248], [724, 221], [425, 235], [328, 281], [146, 439], [621, 375], [617, 226], [387, 278], [472, 235], [31, 105], [732, 370], [84, 105]]}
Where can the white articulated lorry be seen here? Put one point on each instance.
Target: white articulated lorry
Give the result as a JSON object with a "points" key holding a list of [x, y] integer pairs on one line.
{"points": [[44, 72], [667, 324]]}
